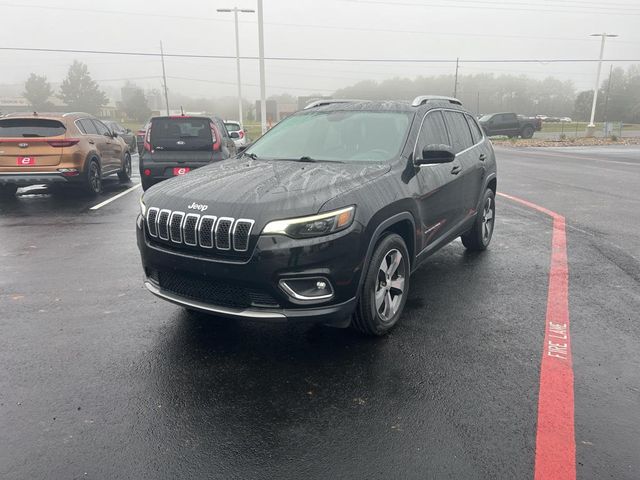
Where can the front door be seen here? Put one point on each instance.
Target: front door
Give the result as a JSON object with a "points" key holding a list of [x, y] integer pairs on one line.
{"points": [[110, 147], [441, 199]]}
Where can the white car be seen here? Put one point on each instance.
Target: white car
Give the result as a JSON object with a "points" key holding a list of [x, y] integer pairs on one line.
{"points": [[566, 119], [236, 132]]}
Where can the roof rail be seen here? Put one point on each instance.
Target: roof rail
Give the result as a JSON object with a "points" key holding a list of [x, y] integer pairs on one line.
{"points": [[422, 99], [329, 101]]}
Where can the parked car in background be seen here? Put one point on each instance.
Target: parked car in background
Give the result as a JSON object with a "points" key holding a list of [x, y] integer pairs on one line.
{"points": [[237, 133], [125, 133], [566, 119], [175, 145], [510, 125], [59, 149], [326, 217], [140, 137]]}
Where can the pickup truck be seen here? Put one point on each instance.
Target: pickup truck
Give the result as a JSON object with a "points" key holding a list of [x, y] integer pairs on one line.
{"points": [[509, 124]]}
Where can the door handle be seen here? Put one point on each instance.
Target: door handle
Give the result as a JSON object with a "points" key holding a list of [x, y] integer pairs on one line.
{"points": [[92, 142], [483, 157], [456, 169]]}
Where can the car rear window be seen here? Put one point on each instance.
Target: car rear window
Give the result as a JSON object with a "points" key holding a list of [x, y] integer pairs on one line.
{"points": [[232, 127], [30, 128], [182, 133]]}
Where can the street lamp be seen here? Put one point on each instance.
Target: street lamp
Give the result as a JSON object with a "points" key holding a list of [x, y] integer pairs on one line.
{"points": [[235, 11], [591, 128]]}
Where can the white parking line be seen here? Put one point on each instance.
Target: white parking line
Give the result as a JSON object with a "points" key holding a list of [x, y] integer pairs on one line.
{"points": [[115, 197]]}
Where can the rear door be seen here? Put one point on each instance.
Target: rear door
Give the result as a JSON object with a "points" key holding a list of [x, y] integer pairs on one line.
{"points": [[112, 148], [509, 124], [181, 141], [25, 143], [467, 159], [97, 141]]}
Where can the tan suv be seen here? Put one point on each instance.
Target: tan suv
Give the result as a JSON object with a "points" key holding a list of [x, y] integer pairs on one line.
{"points": [[58, 149]]}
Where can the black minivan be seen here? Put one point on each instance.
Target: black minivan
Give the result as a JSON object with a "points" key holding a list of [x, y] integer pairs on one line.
{"points": [[175, 145]]}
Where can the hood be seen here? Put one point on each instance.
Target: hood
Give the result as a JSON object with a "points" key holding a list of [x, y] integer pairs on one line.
{"points": [[257, 189]]}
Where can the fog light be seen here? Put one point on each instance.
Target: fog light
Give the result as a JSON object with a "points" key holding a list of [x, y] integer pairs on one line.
{"points": [[308, 289]]}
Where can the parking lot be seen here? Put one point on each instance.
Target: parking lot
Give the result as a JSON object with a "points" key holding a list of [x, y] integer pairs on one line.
{"points": [[103, 380]]}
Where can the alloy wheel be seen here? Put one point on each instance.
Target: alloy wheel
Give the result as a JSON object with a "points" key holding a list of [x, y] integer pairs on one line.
{"points": [[487, 220], [390, 285]]}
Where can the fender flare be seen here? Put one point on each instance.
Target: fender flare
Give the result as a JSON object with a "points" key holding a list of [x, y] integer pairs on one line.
{"points": [[91, 156], [377, 234]]}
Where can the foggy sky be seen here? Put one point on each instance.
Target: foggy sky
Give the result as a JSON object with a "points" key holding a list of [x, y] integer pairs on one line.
{"points": [[433, 29]]}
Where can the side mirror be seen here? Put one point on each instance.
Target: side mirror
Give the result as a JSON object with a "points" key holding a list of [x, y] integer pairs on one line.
{"points": [[114, 134], [434, 154], [235, 135]]}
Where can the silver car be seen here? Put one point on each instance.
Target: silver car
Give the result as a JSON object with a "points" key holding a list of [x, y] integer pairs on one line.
{"points": [[237, 133]]}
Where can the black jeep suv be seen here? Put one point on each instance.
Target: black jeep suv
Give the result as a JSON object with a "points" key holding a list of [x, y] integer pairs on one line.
{"points": [[324, 218]]}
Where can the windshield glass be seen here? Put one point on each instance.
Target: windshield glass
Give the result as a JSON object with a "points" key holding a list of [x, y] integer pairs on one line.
{"points": [[348, 136]]}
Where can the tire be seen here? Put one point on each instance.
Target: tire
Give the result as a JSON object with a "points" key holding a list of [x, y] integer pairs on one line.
{"points": [[125, 174], [478, 237], [8, 191], [527, 132], [93, 180], [146, 183], [385, 288]]}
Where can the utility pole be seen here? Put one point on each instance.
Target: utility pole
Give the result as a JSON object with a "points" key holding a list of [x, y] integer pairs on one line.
{"points": [[591, 128], [455, 85], [263, 94], [164, 79], [235, 11], [606, 99], [478, 104]]}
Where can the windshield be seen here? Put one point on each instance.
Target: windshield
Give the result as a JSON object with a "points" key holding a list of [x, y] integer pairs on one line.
{"points": [[347, 136]]}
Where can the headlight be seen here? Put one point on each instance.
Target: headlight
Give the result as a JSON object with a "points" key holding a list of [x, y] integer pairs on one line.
{"points": [[143, 208], [313, 226]]}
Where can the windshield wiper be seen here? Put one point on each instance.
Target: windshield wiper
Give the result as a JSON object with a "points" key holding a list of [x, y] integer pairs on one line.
{"points": [[252, 156], [308, 159]]}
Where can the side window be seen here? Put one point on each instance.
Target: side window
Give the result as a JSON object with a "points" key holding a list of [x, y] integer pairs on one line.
{"points": [[459, 130], [80, 126], [88, 126], [101, 127], [433, 132], [475, 130]]}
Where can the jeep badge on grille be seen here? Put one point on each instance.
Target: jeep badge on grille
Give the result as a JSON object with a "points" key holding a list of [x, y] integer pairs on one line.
{"points": [[197, 206]]}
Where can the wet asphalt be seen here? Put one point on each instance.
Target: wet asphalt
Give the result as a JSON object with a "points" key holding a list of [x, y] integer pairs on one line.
{"points": [[100, 379]]}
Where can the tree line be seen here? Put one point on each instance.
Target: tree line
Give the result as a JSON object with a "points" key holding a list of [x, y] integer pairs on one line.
{"points": [[80, 93], [618, 100]]}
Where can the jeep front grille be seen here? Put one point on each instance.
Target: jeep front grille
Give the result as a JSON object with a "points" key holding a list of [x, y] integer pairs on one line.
{"points": [[195, 230]]}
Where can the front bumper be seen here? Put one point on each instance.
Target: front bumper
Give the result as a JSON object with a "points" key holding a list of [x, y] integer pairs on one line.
{"points": [[339, 258], [36, 178]]}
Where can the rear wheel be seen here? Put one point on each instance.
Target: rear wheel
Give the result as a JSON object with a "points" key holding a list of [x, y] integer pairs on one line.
{"points": [[385, 288], [8, 191], [527, 132], [125, 174], [479, 236], [93, 181]]}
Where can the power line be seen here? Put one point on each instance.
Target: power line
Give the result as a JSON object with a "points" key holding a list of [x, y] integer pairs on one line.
{"points": [[321, 59], [502, 6]]}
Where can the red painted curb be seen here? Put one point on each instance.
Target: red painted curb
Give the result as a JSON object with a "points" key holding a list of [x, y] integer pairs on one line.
{"points": [[555, 436]]}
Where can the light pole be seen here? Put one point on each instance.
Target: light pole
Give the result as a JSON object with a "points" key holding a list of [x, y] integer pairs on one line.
{"points": [[591, 128], [235, 11], [263, 94]]}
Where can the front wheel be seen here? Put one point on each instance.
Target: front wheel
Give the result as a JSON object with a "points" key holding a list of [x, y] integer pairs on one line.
{"points": [[385, 288], [125, 174], [478, 237]]}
